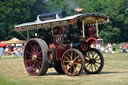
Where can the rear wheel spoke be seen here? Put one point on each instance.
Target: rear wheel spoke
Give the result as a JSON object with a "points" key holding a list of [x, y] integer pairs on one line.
{"points": [[87, 65]]}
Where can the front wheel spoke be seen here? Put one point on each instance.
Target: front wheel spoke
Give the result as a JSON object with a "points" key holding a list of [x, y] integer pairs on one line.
{"points": [[39, 57], [28, 52], [39, 53], [31, 46], [34, 64], [30, 62], [34, 49], [37, 49], [39, 62], [38, 67]]}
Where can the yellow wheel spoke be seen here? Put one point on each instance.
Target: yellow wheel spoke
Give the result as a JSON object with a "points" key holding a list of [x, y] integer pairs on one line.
{"points": [[67, 58], [66, 61], [76, 58], [71, 55]]}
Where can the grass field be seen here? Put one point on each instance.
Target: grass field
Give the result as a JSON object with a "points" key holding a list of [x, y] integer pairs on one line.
{"points": [[115, 72]]}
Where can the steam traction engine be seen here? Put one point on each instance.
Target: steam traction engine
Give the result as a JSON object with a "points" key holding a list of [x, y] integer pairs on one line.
{"points": [[63, 43]]}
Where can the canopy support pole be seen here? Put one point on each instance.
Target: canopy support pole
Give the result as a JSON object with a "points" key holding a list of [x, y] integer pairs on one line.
{"points": [[52, 31], [22, 35], [83, 29], [97, 30], [27, 35]]}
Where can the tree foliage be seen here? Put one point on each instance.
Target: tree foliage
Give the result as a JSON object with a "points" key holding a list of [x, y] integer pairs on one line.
{"points": [[13, 12]]}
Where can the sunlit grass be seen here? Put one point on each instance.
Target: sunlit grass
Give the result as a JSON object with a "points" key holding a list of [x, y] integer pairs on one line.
{"points": [[115, 72], [10, 57]]}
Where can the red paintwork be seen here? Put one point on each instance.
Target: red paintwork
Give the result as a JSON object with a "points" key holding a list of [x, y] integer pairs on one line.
{"points": [[91, 40], [59, 53], [84, 49]]}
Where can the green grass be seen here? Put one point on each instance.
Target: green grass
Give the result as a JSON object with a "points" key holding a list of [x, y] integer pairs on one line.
{"points": [[115, 72], [8, 57], [6, 82]]}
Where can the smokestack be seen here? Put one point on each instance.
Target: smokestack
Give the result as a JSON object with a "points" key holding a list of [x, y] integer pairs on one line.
{"points": [[78, 10]]}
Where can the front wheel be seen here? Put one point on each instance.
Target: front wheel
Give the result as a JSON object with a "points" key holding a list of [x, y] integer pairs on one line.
{"points": [[35, 57], [94, 61], [72, 62]]}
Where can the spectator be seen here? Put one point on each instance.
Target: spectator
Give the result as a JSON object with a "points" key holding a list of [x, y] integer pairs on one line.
{"points": [[109, 46], [1, 51], [121, 48], [19, 51], [97, 46], [124, 47], [114, 47], [15, 52], [102, 49], [6, 50], [22, 51]]}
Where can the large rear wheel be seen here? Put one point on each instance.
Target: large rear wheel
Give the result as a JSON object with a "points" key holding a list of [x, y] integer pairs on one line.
{"points": [[94, 61], [35, 57], [72, 62]]}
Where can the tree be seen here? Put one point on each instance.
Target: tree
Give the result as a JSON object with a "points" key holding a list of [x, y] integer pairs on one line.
{"points": [[15, 12]]}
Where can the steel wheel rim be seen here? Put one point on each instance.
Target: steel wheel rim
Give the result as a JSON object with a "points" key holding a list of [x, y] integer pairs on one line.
{"points": [[33, 58], [72, 63], [92, 61]]}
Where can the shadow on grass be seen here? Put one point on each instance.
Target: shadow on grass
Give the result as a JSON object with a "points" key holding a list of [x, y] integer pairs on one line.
{"points": [[110, 72], [101, 73], [54, 73]]}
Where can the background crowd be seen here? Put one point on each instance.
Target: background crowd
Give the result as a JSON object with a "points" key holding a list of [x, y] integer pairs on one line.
{"points": [[111, 47], [12, 51]]}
